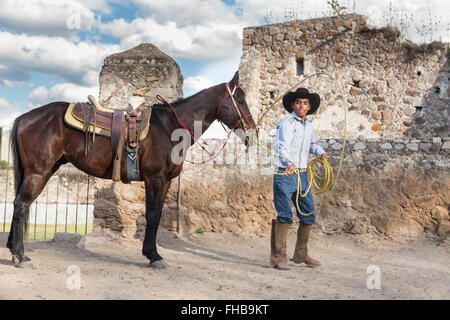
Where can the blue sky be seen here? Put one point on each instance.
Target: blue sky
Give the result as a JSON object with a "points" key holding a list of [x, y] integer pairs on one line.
{"points": [[54, 50]]}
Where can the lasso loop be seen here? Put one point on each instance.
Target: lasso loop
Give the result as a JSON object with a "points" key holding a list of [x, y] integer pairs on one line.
{"points": [[328, 180]]}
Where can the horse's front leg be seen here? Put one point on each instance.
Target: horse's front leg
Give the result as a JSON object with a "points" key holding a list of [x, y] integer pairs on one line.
{"points": [[155, 193]]}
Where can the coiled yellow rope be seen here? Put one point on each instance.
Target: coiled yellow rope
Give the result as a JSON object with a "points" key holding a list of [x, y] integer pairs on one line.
{"points": [[327, 180]]}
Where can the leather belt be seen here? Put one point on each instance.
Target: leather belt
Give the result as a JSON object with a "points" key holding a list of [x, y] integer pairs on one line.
{"points": [[284, 169]]}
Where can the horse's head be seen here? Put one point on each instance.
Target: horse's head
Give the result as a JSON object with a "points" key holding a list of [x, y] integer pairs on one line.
{"points": [[234, 111]]}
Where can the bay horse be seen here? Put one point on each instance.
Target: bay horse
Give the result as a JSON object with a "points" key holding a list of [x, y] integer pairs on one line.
{"points": [[41, 142]]}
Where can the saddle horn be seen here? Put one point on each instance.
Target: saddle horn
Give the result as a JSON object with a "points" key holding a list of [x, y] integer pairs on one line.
{"points": [[141, 92]]}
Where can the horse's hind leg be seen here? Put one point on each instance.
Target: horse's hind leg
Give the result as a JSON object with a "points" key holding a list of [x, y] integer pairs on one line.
{"points": [[30, 189]]}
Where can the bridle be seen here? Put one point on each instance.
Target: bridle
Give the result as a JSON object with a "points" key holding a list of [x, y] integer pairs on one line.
{"points": [[241, 114]]}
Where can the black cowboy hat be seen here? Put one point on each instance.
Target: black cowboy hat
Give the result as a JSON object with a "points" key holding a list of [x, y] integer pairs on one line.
{"points": [[302, 93]]}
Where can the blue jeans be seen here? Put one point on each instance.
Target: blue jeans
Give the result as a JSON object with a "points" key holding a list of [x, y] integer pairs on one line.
{"points": [[285, 191]]}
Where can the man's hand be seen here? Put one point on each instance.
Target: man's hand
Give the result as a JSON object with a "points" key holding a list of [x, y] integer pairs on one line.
{"points": [[291, 170], [323, 157]]}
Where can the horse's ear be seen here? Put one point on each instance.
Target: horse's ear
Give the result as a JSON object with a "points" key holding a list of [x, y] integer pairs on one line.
{"points": [[235, 79]]}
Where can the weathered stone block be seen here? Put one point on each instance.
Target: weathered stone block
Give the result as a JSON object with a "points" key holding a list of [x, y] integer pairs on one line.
{"points": [[411, 93], [386, 146], [394, 83], [247, 42], [267, 38], [336, 146], [409, 110], [355, 91], [413, 83], [412, 146], [377, 127], [359, 146], [322, 34], [376, 115], [356, 77], [274, 30], [426, 147], [446, 146], [339, 58], [364, 83], [437, 140], [279, 37], [248, 32], [387, 115], [439, 213]]}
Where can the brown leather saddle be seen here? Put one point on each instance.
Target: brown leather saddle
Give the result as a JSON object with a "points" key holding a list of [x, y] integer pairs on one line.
{"points": [[125, 127]]}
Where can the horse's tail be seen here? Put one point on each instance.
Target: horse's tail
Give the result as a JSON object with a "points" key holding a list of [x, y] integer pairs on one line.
{"points": [[18, 166], [17, 162]]}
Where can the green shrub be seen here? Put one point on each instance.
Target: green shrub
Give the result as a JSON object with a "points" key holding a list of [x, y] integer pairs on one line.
{"points": [[200, 230], [5, 165]]}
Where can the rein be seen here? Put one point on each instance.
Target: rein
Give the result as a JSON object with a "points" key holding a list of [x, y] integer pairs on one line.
{"points": [[241, 114]]}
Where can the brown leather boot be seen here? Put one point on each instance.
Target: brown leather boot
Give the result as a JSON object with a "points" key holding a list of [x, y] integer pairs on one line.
{"points": [[278, 255], [273, 250], [301, 247]]}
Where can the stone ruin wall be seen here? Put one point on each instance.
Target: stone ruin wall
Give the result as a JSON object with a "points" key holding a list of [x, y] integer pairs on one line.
{"points": [[392, 90], [140, 67], [388, 187], [394, 179]]}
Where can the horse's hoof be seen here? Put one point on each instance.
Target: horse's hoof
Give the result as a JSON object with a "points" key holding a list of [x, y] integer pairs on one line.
{"points": [[24, 264], [159, 264], [16, 260]]}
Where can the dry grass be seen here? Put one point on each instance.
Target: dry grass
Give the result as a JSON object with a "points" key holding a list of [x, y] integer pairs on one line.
{"points": [[414, 50], [41, 232]]}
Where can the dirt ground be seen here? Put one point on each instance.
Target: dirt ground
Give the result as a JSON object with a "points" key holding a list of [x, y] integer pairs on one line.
{"points": [[227, 266]]}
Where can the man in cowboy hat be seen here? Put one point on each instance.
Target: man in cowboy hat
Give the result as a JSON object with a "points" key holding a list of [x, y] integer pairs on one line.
{"points": [[294, 141]]}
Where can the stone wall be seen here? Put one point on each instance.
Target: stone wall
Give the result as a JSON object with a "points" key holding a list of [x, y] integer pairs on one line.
{"points": [[393, 187], [394, 88]]}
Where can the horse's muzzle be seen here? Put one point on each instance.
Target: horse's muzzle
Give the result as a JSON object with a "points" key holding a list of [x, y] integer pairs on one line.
{"points": [[249, 139]]}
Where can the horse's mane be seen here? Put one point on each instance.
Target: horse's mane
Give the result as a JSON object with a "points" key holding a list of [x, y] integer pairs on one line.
{"points": [[165, 107]]}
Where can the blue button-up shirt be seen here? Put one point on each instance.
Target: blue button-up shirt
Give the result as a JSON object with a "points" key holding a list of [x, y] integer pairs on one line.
{"points": [[295, 141]]}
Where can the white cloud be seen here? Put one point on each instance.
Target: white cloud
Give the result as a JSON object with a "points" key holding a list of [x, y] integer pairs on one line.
{"points": [[7, 113], [213, 42], [100, 5], [73, 62], [196, 29], [11, 77], [4, 104], [7, 119], [197, 83], [268, 11], [67, 92], [188, 12], [62, 17]]}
